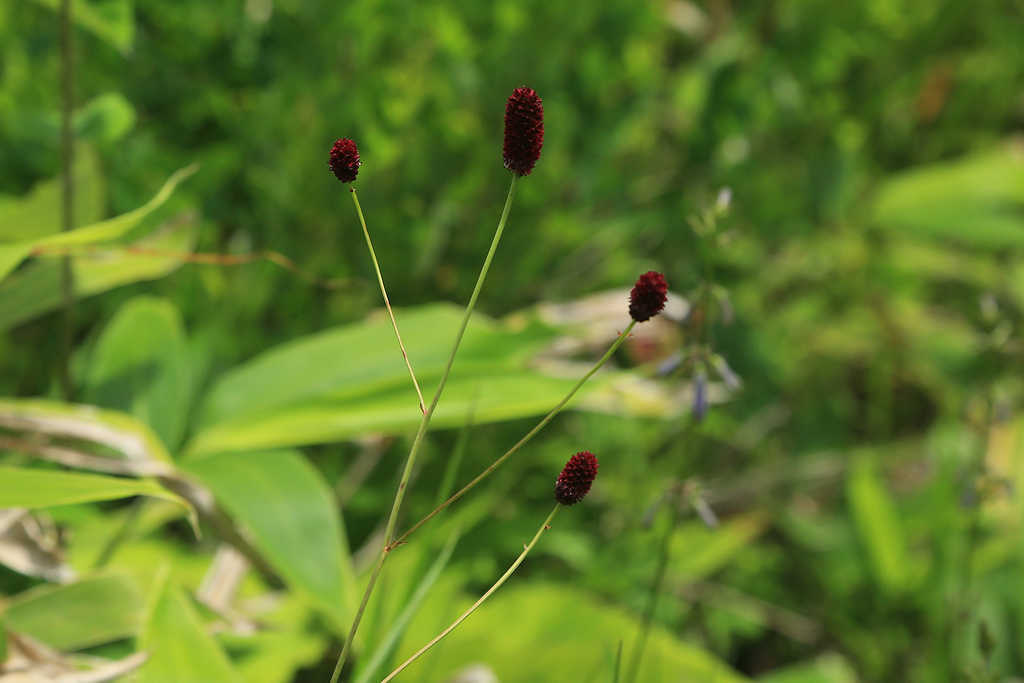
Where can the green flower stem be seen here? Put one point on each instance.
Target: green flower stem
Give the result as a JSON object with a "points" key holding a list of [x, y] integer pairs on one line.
{"points": [[519, 444], [418, 440], [498, 584], [384, 293]]}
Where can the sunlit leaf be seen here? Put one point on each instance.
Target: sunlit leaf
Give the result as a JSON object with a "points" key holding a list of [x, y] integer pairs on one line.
{"points": [[36, 288], [140, 365], [181, 650], [13, 253], [291, 515], [550, 633], [976, 202], [78, 615], [37, 488]]}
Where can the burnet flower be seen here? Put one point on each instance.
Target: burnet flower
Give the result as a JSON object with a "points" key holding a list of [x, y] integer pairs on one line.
{"points": [[524, 130], [576, 477], [344, 160], [648, 296]]}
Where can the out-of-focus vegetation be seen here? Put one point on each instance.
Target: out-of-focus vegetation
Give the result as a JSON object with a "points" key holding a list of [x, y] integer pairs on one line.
{"points": [[868, 292]]}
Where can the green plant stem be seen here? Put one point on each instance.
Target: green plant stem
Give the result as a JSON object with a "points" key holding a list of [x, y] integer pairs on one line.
{"points": [[67, 285], [384, 293], [498, 584], [519, 444], [418, 440], [652, 598]]}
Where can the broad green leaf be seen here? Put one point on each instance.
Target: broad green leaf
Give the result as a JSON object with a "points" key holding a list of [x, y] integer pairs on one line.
{"points": [[292, 517], [13, 253], [36, 488], [140, 365], [547, 632], [976, 202], [36, 288], [123, 434], [38, 213], [111, 20], [115, 227], [358, 359], [180, 648], [78, 615], [494, 397], [878, 525]]}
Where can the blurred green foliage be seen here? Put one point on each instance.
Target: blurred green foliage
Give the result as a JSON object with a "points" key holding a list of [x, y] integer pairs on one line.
{"points": [[868, 289]]}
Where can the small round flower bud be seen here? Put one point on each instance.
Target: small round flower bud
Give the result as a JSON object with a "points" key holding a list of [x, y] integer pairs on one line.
{"points": [[576, 477], [524, 130], [344, 161], [648, 296]]}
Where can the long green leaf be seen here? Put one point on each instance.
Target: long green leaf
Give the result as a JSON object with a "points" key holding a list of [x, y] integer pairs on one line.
{"points": [[291, 515], [362, 358], [494, 397], [13, 253], [977, 201], [78, 615], [141, 366], [179, 646], [36, 288], [121, 433], [36, 488], [547, 632]]}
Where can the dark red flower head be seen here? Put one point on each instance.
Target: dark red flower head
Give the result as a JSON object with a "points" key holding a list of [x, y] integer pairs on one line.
{"points": [[344, 161], [524, 130], [648, 296], [576, 477]]}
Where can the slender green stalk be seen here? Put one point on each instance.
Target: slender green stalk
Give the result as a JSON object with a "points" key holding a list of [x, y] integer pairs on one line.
{"points": [[652, 597], [67, 96], [384, 293], [418, 440], [498, 584], [519, 444]]}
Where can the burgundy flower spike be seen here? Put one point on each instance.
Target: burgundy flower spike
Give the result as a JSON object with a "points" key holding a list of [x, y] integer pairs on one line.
{"points": [[524, 130], [344, 161], [648, 296], [576, 477]]}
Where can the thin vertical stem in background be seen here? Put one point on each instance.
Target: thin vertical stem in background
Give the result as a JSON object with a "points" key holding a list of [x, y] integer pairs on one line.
{"points": [[384, 293], [67, 285], [498, 584], [418, 440], [652, 598], [519, 444]]}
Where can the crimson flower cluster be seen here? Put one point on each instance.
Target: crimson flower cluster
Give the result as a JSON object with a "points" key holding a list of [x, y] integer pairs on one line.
{"points": [[576, 477], [344, 161], [648, 296], [524, 130]]}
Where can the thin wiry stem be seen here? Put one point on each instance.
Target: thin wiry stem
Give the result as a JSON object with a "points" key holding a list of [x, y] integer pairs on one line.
{"points": [[384, 293], [498, 584], [519, 444], [67, 95], [652, 597], [418, 440]]}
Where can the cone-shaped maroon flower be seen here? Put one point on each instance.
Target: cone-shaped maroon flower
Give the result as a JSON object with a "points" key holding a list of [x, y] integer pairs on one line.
{"points": [[524, 130], [648, 296], [576, 477], [344, 161]]}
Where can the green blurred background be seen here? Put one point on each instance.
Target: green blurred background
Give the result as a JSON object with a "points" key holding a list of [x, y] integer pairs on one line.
{"points": [[866, 285]]}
